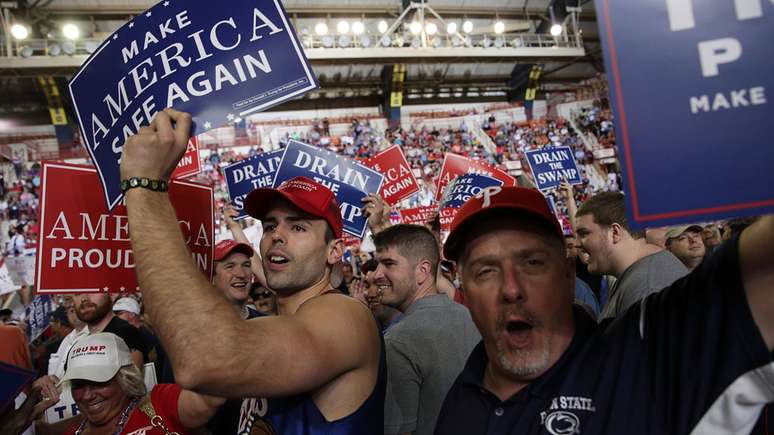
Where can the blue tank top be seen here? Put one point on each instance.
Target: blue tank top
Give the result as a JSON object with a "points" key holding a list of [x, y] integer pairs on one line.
{"points": [[298, 415]]}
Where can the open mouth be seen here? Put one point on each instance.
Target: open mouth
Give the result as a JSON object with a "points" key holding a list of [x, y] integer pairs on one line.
{"points": [[518, 326], [278, 259], [518, 333]]}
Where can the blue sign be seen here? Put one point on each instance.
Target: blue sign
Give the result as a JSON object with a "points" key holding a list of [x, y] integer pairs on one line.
{"points": [[218, 62], [464, 187], [249, 174], [692, 88], [551, 165], [38, 314], [349, 180], [12, 381]]}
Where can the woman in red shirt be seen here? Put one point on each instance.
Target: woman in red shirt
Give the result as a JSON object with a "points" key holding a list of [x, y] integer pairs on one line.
{"points": [[111, 396]]}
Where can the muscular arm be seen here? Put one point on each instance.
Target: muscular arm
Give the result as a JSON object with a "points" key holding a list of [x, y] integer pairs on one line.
{"points": [[196, 409], [756, 257], [282, 355]]}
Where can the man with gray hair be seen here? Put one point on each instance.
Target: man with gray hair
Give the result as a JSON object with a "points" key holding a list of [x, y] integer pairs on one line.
{"points": [[545, 366]]}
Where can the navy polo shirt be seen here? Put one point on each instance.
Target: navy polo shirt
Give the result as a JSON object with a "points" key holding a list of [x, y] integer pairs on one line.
{"points": [[688, 359]]}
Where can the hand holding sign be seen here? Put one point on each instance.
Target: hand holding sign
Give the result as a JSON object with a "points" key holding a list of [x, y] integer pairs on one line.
{"points": [[229, 215], [377, 211], [154, 151]]}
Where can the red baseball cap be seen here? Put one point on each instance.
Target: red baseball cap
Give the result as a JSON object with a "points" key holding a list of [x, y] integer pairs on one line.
{"points": [[304, 193], [520, 199], [225, 247]]}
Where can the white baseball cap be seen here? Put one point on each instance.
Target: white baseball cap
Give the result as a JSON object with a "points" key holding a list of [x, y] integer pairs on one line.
{"points": [[127, 304], [97, 358]]}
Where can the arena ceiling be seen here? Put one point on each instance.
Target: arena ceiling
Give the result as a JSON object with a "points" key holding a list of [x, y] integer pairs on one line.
{"points": [[346, 82]]}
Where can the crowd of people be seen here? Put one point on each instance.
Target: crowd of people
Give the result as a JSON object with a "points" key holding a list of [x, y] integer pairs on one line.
{"points": [[519, 322]]}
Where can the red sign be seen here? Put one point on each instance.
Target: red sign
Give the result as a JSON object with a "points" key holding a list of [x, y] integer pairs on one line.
{"points": [[189, 164], [84, 248], [446, 216], [455, 165], [349, 239], [419, 215], [399, 181]]}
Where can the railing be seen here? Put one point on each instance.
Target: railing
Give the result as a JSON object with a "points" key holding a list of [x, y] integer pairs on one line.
{"points": [[514, 40], [85, 46]]}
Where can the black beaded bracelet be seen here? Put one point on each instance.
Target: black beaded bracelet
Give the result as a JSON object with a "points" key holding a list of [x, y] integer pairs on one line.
{"points": [[145, 183]]}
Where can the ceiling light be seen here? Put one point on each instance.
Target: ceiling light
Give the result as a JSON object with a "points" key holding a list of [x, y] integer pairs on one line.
{"points": [[344, 40], [467, 26], [343, 26], [54, 50], [499, 27], [68, 47], [415, 27], [321, 28], [71, 31], [20, 31], [431, 28], [358, 28], [556, 29], [382, 27], [451, 28]]}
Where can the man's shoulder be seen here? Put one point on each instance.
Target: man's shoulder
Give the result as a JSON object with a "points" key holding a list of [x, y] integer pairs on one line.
{"points": [[338, 308], [441, 314], [125, 330], [660, 269]]}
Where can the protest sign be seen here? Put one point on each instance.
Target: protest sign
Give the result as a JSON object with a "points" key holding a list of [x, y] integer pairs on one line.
{"points": [[551, 165], [395, 217], [65, 409], [13, 379], [38, 314], [84, 248], [6, 282], [697, 146], [190, 164], [457, 193], [418, 215], [249, 174], [399, 181], [217, 63], [455, 165], [348, 180]]}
